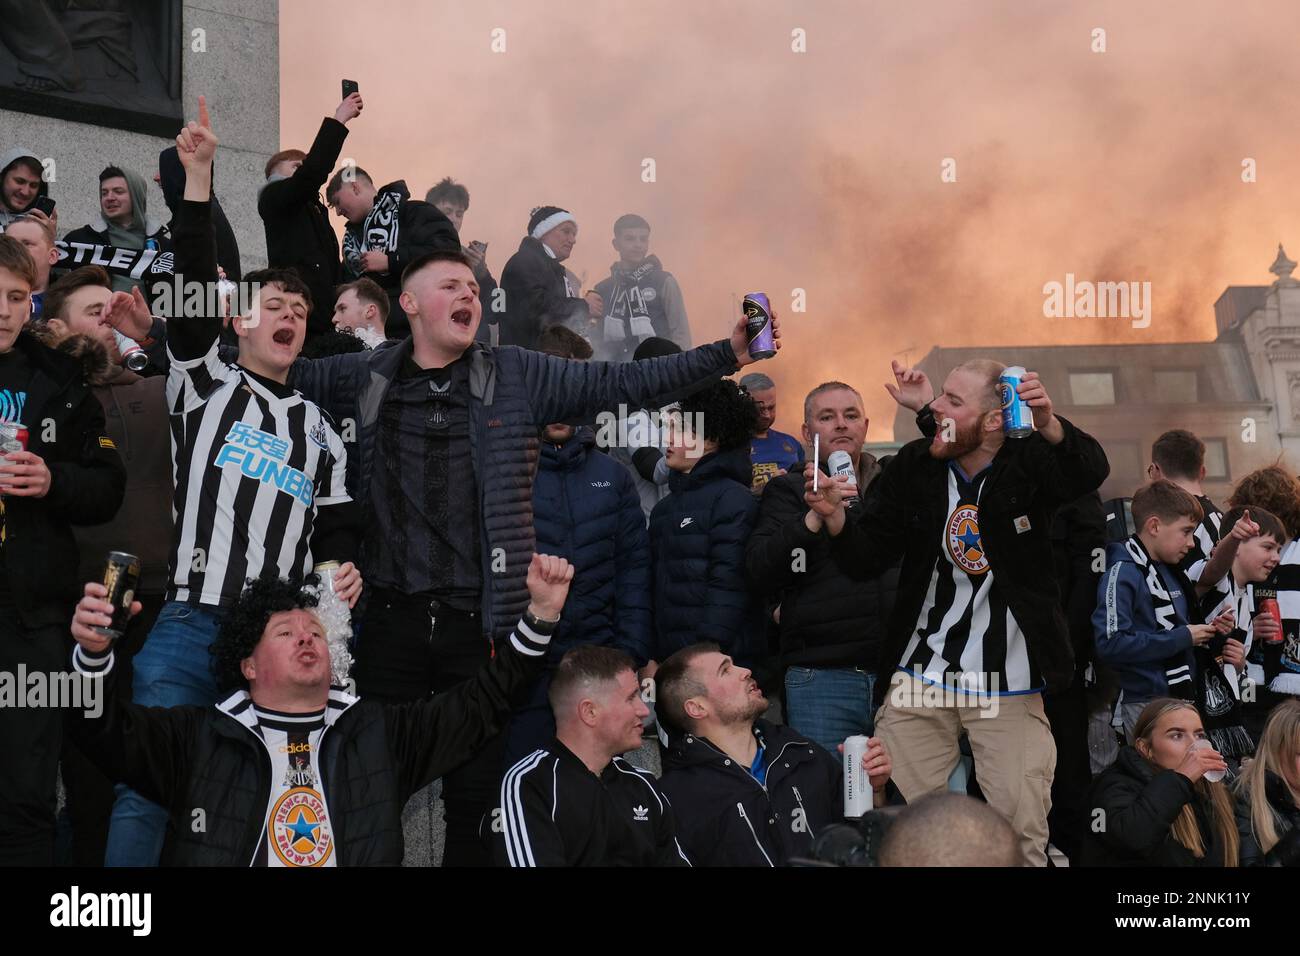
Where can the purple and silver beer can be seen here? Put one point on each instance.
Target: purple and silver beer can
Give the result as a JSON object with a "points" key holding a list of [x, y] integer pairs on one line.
{"points": [[1017, 420], [857, 787], [758, 325]]}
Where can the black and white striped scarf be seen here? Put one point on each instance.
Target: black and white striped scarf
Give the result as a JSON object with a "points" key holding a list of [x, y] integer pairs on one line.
{"points": [[378, 231], [1178, 674]]}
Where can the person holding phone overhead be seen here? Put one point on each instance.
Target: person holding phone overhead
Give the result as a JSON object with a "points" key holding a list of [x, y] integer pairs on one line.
{"points": [[298, 231]]}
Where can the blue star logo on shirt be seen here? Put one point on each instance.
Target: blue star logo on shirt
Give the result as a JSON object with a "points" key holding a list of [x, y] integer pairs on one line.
{"points": [[964, 545], [302, 829]]}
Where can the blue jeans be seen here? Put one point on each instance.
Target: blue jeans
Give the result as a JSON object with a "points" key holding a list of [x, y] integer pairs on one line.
{"points": [[172, 669], [829, 705]]}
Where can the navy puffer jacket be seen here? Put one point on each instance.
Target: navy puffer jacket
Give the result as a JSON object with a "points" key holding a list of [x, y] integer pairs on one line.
{"points": [[586, 509], [697, 544]]}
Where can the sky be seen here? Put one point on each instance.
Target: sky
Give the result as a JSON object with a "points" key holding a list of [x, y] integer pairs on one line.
{"points": [[920, 170]]}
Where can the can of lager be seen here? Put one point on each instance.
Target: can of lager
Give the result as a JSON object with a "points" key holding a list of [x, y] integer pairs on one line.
{"points": [[1017, 420], [857, 788], [13, 437], [1269, 606], [758, 325], [121, 578]]}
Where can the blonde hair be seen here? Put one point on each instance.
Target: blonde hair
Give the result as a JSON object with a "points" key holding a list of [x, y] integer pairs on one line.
{"points": [[1277, 749], [990, 371], [1185, 829]]}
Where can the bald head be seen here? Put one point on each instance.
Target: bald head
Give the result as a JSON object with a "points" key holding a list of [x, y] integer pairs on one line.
{"points": [[950, 829]]}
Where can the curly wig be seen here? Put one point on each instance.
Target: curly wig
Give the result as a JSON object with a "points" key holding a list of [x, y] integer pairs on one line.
{"points": [[726, 411], [1274, 489], [244, 626]]}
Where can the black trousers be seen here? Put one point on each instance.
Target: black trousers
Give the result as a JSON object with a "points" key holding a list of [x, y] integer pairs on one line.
{"points": [[83, 824], [409, 648], [29, 743], [1067, 712]]}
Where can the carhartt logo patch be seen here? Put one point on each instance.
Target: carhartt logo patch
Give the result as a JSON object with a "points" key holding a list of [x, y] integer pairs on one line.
{"points": [[1022, 524], [107, 443]]}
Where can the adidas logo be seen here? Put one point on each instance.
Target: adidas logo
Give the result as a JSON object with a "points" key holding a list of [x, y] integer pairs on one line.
{"points": [[685, 522], [640, 814]]}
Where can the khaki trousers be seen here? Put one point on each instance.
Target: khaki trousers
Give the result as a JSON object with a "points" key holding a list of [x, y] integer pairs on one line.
{"points": [[1010, 739]]}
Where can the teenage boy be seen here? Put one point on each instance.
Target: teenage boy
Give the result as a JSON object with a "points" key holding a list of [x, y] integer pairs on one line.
{"points": [[641, 299], [1145, 605]]}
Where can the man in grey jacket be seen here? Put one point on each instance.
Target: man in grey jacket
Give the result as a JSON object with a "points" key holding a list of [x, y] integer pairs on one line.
{"points": [[443, 450]]}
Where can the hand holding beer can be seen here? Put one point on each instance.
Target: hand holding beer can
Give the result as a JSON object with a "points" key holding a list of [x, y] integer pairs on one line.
{"points": [[1017, 418], [858, 797], [13, 438], [121, 578], [758, 325], [1270, 607]]}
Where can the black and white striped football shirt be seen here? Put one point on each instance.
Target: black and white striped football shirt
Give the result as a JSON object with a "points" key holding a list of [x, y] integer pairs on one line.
{"points": [[252, 460], [966, 637], [1204, 539]]}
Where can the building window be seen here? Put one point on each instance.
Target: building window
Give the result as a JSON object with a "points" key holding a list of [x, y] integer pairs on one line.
{"points": [[1092, 387], [1176, 386], [1127, 469], [1216, 459]]}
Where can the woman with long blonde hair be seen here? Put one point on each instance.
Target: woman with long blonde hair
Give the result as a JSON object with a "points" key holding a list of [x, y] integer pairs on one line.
{"points": [[1153, 806], [1268, 793]]}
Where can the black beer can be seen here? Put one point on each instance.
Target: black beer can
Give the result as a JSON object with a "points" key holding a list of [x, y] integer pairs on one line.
{"points": [[121, 578]]}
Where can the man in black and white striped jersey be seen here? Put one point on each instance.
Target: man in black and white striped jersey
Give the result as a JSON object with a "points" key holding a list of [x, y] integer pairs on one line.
{"points": [[287, 771], [577, 802], [259, 477]]}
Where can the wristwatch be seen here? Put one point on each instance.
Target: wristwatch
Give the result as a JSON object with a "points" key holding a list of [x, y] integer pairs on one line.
{"points": [[536, 623]]}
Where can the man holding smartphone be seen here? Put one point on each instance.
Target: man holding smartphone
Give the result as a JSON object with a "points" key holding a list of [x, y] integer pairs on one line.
{"points": [[298, 231], [22, 184]]}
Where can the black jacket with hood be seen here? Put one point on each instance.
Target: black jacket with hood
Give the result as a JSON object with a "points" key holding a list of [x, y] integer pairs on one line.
{"points": [[725, 817]]}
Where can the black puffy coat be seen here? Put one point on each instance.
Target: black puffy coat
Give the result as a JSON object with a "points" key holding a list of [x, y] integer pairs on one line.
{"points": [[827, 618], [725, 817], [1133, 805], [298, 232], [1286, 818], [87, 482], [536, 297], [697, 545]]}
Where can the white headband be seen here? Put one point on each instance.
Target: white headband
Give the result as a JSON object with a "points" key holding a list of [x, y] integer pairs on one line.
{"points": [[550, 222]]}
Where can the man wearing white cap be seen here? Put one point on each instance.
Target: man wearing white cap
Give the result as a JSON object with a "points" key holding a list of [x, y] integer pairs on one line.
{"points": [[539, 291]]}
